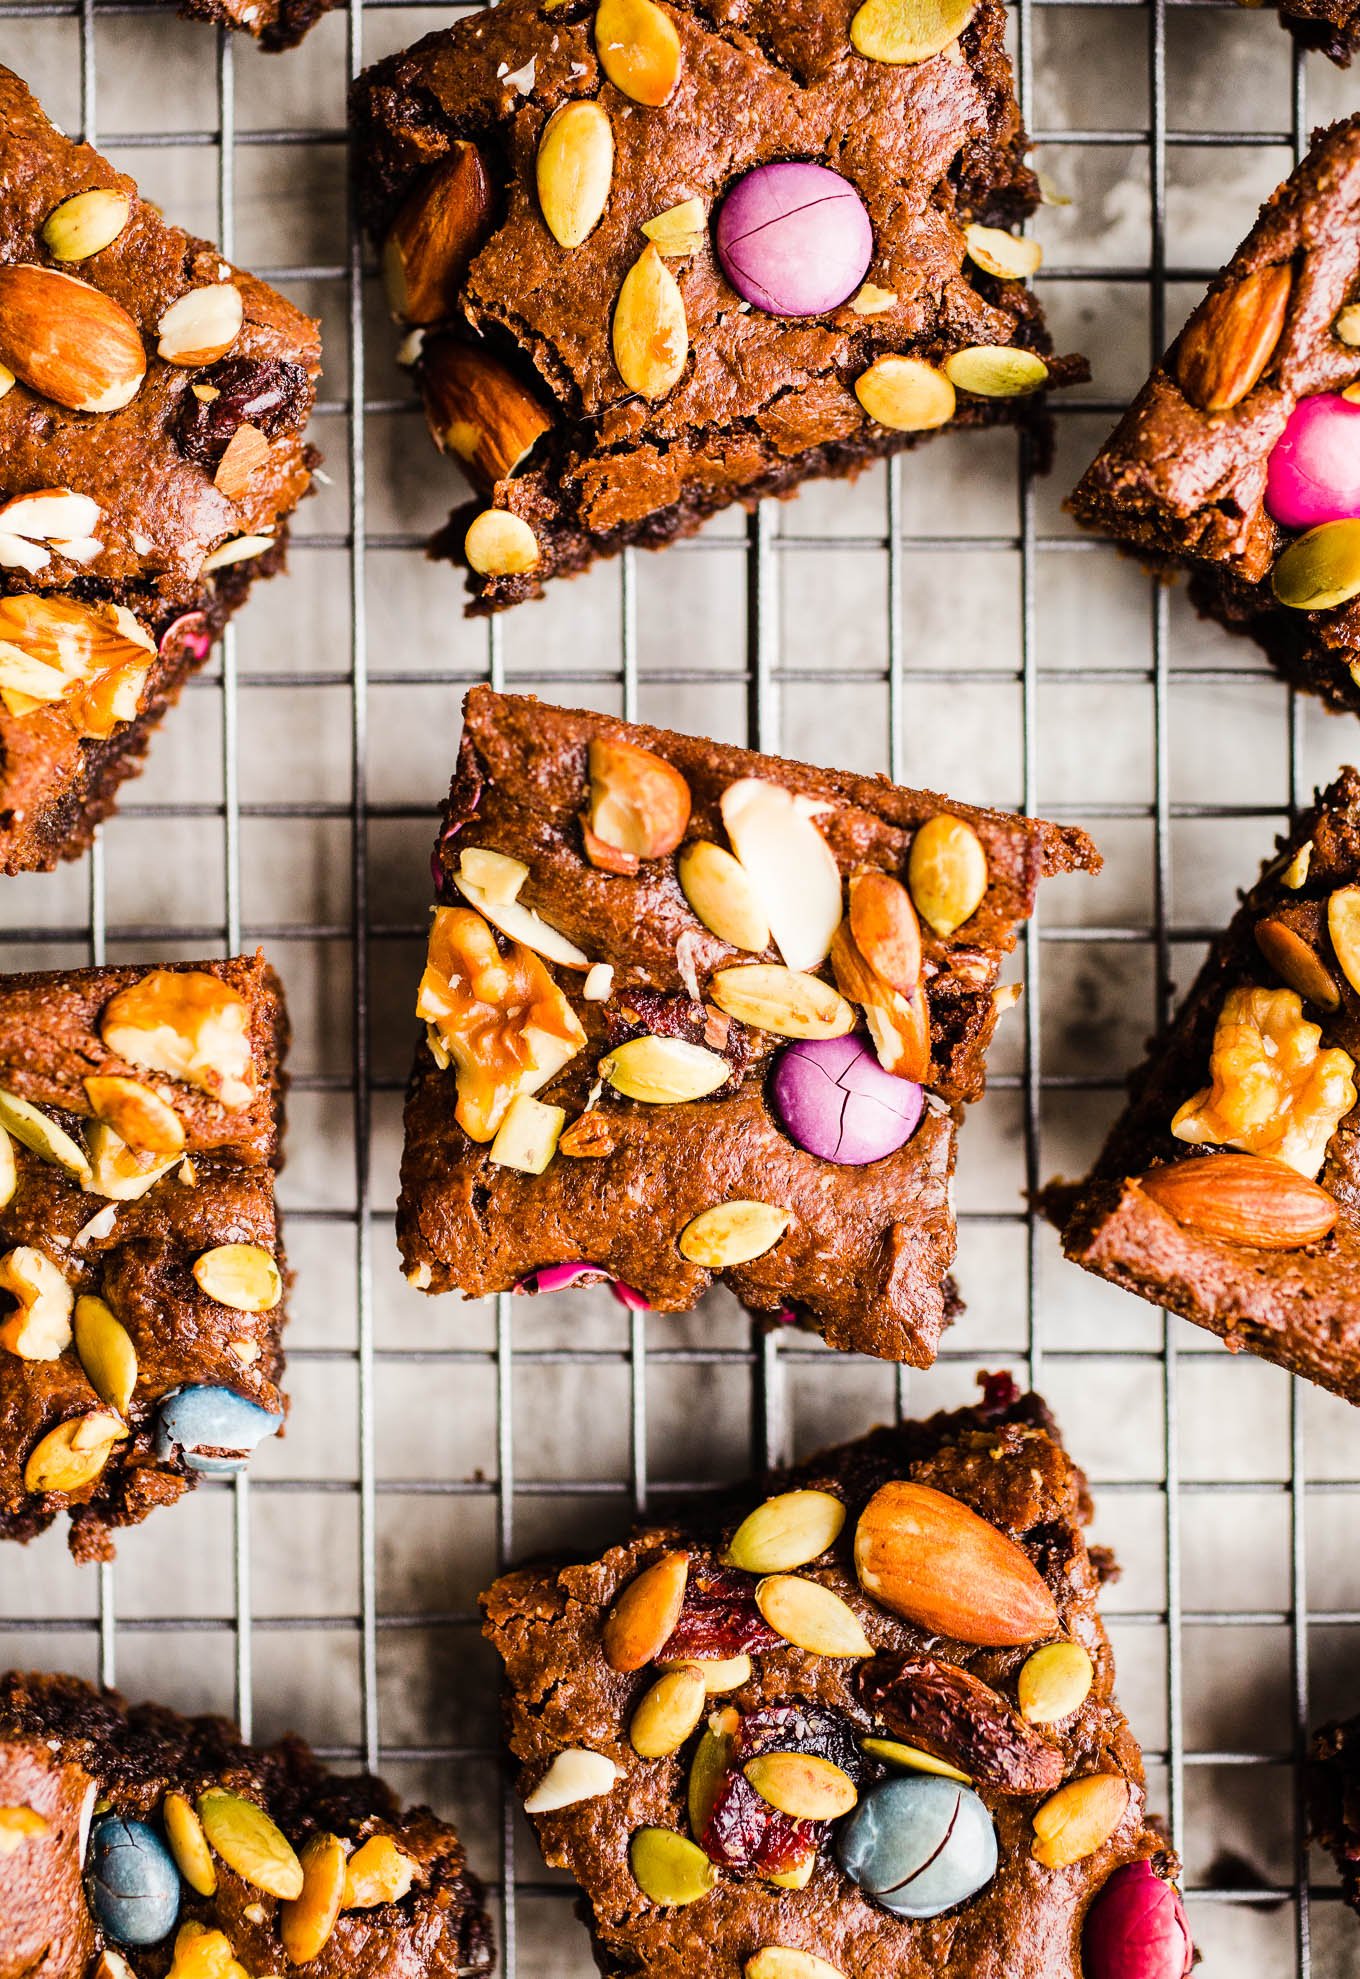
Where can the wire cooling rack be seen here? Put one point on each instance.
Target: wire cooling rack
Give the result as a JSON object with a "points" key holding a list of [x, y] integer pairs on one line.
{"points": [[940, 621]]}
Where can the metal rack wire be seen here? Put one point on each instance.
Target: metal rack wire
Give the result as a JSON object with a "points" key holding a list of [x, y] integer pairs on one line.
{"points": [[351, 1073]]}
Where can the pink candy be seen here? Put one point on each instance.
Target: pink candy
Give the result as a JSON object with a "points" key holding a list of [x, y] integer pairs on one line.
{"points": [[190, 630], [1313, 474], [559, 1277], [793, 239], [1136, 1928], [835, 1100]]}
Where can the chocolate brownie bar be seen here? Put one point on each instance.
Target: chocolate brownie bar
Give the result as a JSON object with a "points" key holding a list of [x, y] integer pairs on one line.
{"points": [[1228, 1188], [1240, 457], [860, 1721], [141, 1270], [276, 24], [1334, 1800], [637, 307], [136, 1844], [711, 1106], [1330, 26], [152, 401]]}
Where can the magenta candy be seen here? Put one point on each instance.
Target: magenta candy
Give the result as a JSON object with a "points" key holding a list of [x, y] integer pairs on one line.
{"points": [[1136, 1928], [557, 1277], [795, 240], [835, 1100], [190, 630], [1313, 474], [626, 1296]]}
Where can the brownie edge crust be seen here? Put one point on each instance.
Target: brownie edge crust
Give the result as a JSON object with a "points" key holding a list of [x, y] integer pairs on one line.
{"points": [[905, 1687], [136, 1844]]}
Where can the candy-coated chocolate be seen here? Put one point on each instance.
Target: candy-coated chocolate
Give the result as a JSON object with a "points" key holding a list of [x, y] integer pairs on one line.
{"points": [[1136, 1928], [794, 239], [1313, 474], [919, 1845], [212, 1429], [132, 1880], [835, 1100]]}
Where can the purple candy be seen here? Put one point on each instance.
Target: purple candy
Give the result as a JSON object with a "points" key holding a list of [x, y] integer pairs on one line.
{"points": [[1136, 1928], [1313, 474], [835, 1100], [795, 240]]}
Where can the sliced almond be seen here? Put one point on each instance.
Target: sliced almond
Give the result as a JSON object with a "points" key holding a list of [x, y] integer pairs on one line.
{"points": [[120, 1172], [477, 410], [242, 1276], [733, 1233], [680, 230], [643, 1617], [947, 872], [719, 889], [42, 1136], [17, 553], [790, 865], [668, 1712], [898, 1025], [786, 1532], [870, 300], [522, 924], [495, 875], [247, 450], [85, 224], [811, 1617], [639, 803], [664, 1071], [237, 549], [905, 394], [639, 49], [378, 1872], [787, 1962], [67, 340], [500, 544], [430, 245], [1010, 257], [574, 1775], [802, 1785], [574, 169], [50, 515], [650, 335], [1291, 957], [908, 31], [202, 325], [1343, 925], [787, 1002], [137, 1114], [996, 371]]}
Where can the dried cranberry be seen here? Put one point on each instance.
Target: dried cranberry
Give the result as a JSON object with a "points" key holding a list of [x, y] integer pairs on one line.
{"points": [[269, 393], [719, 1617], [745, 1832], [999, 1394]]}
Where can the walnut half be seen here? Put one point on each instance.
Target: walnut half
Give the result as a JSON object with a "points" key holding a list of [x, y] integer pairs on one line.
{"points": [[1274, 1090]]}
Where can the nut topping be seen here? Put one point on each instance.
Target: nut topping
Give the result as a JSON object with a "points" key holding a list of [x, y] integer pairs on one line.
{"points": [[786, 1532], [139, 1116], [718, 888], [202, 325], [886, 930], [1343, 925], [435, 235], [527, 1137], [639, 804], [42, 1136], [188, 1843], [574, 169], [379, 1872], [1319, 569], [650, 334], [250, 1843], [802, 1784], [932, 1560], [499, 904], [574, 1775], [1243, 1199], [68, 341], [1225, 347], [680, 230], [790, 865], [911, 1759], [1007, 256], [506, 1025], [1274, 1090], [588, 1138], [952, 1713], [190, 1025], [203, 1953], [1054, 1682], [51, 515], [644, 1615], [899, 1025], [40, 1328], [995, 371], [105, 1351], [478, 410], [1079, 1818], [733, 1233], [1290, 956], [787, 1002], [242, 1276], [947, 873], [664, 1071], [905, 394], [118, 1171], [247, 450], [669, 1868], [811, 1617], [307, 1921], [785, 1962], [71, 1457], [9, 1169], [900, 31], [85, 224], [668, 1712], [500, 544], [639, 49]]}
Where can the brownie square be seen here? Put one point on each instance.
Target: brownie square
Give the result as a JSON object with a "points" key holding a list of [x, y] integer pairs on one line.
{"points": [[876, 1612], [138, 1841], [565, 198], [275, 24], [1227, 1189], [1334, 1800], [642, 1032], [1330, 26], [141, 1268], [1231, 460], [152, 403]]}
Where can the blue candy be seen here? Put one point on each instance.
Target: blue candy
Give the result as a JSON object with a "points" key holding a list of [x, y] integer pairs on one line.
{"points": [[200, 1424], [919, 1844], [133, 1881]]}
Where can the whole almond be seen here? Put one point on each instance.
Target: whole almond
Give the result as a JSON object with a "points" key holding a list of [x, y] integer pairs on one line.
{"points": [[574, 169], [1291, 957], [932, 1560], [1228, 342], [1243, 1199], [68, 341], [650, 334], [201, 325], [886, 930], [644, 1616], [443, 222], [477, 410]]}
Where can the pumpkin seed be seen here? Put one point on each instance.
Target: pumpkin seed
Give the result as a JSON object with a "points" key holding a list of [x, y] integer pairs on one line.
{"points": [[786, 1962], [105, 1350], [905, 394], [893, 1753], [901, 31], [802, 1785], [1054, 1682], [650, 335], [733, 1233], [787, 1002], [996, 371], [1343, 925], [242, 1276], [574, 169], [786, 1532], [639, 49], [188, 1843], [43, 1137], [72, 1455], [85, 224], [668, 1868], [250, 1843], [1079, 1818], [811, 1616], [947, 872], [1010, 257], [307, 1920], [664, 1071], [668, 1712], [712, 1757], [1320, 568]]}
